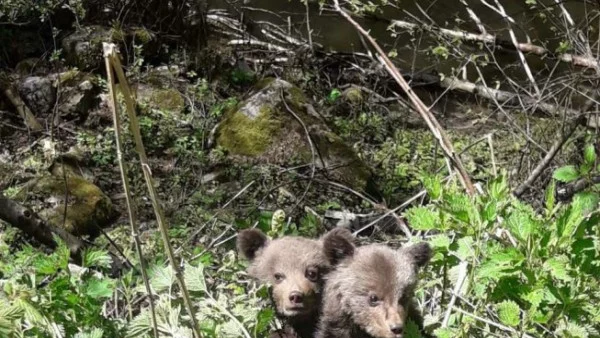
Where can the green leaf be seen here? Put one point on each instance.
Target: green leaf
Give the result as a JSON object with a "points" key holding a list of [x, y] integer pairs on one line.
{"points": [[95, 333], [99, 258], [194, 278], [498, 188], [534, 298], [162, 278], [589, 154], [445, 333], [586, 201], [264, 318], [440, 241], [490, 211], [433, 185], [411, 330], [30, 312], [558, 268], [566, 174], [550, 198], [458, 205], [99, 288], [422, 218], [509, 313], [572, 330], [521, 225], [465, 248]]}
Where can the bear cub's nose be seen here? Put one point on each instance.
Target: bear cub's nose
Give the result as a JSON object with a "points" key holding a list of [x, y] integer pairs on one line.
{"points": [[296, 297], [396, 329]]}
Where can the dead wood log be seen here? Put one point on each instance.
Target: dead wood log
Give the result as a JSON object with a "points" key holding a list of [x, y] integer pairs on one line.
{"points": [[577, 60], [24, 112], [502, 96], [24, 219], [567, 191], [30, 223]]}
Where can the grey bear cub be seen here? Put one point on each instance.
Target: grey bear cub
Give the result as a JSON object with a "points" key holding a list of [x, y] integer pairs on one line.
{"points": [[369, 294]]}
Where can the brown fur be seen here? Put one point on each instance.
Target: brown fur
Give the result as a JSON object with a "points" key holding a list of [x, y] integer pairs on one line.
{"points": [[372, 270], [288, 264]]}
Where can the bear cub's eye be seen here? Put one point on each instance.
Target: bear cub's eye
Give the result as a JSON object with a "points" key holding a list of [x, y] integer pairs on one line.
{"points": [[373, 300], [278, 277], [312, 274]]}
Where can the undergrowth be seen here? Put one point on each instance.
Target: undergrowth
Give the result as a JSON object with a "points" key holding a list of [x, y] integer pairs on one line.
{"points": [[501, 268]]}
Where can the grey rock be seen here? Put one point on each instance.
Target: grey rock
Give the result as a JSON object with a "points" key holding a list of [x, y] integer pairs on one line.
{"points": [[38, 93]]}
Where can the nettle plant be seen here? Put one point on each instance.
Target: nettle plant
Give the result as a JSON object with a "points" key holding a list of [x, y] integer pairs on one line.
{"points": [[42, 296], [520, 271], [226, 309]]}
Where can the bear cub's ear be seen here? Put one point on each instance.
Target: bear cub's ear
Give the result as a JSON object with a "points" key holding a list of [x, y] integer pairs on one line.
{"points": [[420, 253], [338, 244], [249, 241]]}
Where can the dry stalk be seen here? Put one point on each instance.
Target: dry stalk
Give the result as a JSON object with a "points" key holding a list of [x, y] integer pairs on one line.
{"points": [[110, 51], [432, 123], [131, 208]]}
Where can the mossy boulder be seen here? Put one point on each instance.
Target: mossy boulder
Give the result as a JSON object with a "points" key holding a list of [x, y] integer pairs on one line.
{"points": [[88, 209], [266, 128], [78, 94], [161, 90], [83, 48]]}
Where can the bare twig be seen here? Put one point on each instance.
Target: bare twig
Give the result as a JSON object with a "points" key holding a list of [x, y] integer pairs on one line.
{"points": [[520, 190], [462, 276], [429, 118], [490, 322]]}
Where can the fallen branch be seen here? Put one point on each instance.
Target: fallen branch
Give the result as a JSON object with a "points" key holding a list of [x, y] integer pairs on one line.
{"points": [[577, 60], [566, 192], [547, 159], [421, 108], [24, 219], [502, 96], [30, 223], [24, 112]]}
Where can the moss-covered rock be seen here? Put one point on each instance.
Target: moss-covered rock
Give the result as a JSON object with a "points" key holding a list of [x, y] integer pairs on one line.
{"points": [[265, 128], [83, 48], [70, 201], [166, 100], [78, 94], [353, 95]]}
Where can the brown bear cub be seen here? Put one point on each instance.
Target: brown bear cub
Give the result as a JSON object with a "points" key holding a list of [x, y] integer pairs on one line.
{"points": [[295, 267], [370, 292]]}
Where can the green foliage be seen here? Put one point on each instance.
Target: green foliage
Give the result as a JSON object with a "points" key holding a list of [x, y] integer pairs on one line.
{"points": [[41, 296], [334, 95], [587, 169], [17, 11], [539, 268], [100, 146]]}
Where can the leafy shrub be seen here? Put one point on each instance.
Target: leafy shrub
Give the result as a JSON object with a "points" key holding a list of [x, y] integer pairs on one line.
{"points": [[528, 271], [41, 296]]}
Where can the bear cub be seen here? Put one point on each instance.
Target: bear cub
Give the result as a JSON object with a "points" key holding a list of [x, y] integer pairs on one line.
{"points": [[295, 267], [370, 292]]}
